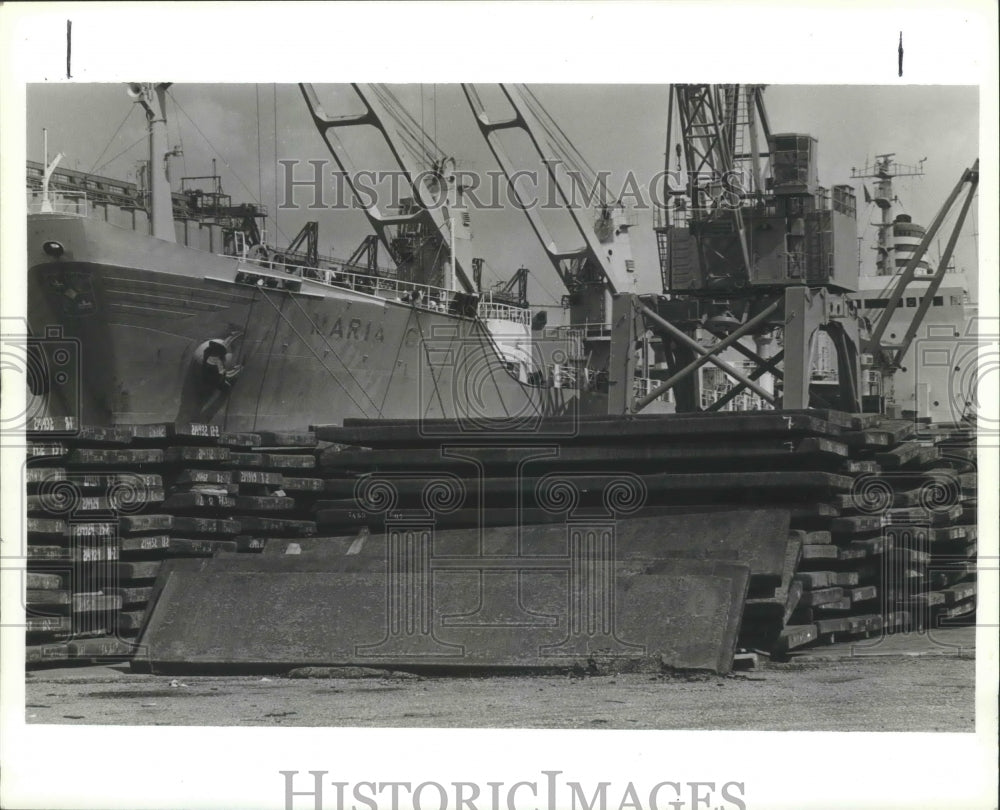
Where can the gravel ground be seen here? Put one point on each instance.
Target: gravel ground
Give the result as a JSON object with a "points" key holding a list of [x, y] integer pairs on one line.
{"points": [[923, 690]]}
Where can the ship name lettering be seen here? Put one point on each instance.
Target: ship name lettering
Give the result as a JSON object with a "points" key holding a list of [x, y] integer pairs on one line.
{"points": [[355, 332]]}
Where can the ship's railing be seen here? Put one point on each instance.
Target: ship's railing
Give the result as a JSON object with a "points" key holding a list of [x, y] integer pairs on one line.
{"points": [[643, 386], [744, 401], [422, 296], [567, 375], [571, 337], [595, 329], [563, 332], [339, 264], [73, 203], [490, 310], [582, 331], [561, 375]]}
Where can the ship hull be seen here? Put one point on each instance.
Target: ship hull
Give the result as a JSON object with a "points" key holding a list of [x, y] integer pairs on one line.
{"points": [[137, 314]]}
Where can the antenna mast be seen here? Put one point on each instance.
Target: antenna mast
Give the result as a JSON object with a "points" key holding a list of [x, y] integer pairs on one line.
{"points": [[883, 171]]}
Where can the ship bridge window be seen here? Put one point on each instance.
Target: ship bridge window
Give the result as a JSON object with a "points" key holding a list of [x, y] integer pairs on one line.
{"points": [[911, 302], [937, 301], [877, 303]]}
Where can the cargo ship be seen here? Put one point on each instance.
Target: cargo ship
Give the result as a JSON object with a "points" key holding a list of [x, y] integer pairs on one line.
{"points": [[168, 306]]}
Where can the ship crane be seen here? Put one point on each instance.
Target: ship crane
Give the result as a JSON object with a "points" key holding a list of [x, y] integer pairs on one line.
{"points": [[889, 357], [601, 265], [429, 241], [152, 98]]}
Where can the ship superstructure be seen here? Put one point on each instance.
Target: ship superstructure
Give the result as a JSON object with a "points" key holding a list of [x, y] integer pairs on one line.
{"points": [[936, 377]]}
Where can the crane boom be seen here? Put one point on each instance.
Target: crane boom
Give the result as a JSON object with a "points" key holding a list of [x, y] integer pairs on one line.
{"points": [[720, 173], [890, 358], [604, 252], [430, 241]]}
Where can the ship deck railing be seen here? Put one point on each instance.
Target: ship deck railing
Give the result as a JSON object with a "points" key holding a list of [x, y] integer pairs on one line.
{"points": [[490, 310], [643, 386], [587, 330], [422, 296], [745, 401], [566, 375], [72, 203]]}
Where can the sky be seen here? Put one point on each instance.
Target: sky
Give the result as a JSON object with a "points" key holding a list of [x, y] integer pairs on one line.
{"points": [[618, 128]]}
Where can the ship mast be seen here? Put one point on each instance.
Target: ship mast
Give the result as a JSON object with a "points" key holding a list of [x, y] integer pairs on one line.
{"points": [[152, 98], [49, 168], [883, 171]]}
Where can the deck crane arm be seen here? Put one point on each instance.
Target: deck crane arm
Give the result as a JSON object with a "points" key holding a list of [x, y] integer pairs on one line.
{"points": [[604, 250], [428, 173], [890, 358]]}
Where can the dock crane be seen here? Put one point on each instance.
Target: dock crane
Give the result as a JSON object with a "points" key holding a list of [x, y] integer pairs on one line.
{"points": [[751, 246], [754, 247]]}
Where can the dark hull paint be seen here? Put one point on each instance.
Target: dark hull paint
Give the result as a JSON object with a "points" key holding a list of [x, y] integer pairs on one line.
{"points": [[140, 307]]}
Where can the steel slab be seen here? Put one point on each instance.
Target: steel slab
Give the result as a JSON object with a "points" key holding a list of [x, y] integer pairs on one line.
{"points": [[559, 612]]}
